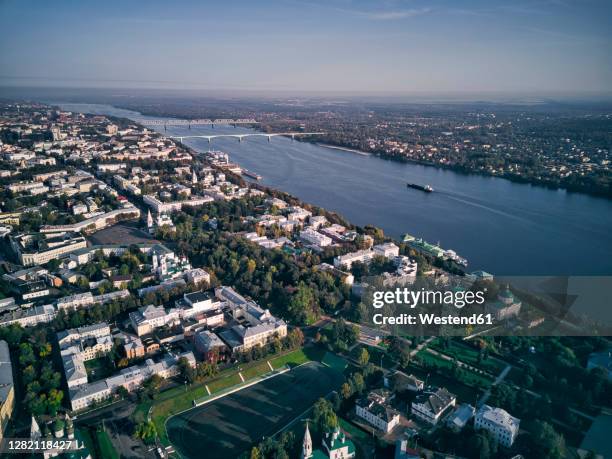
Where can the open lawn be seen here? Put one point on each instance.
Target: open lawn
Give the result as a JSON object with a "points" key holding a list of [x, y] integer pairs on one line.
{"points": [[469, 355], [376, 355], [466, 375], [230, 425], [464, 393], [105, 446], [179, 399], [296, 358], [86, 436]]}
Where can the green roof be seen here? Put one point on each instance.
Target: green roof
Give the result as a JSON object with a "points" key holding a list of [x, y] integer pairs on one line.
{"points": [[506, 294]]}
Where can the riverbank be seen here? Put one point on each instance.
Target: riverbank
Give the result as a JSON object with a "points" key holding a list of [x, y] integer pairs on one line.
{"points": [[350, 150], [548, 184]]}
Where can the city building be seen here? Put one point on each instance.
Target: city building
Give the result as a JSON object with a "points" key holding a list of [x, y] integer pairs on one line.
{"points": [[387, 250], [29, 317], [133, 347], [7, 388], [400, 381], [197, 276], [375, 408], [209, 346], [75, 301], [460, 417], [80, 345], [129, 378], [148, 318], [35, 249], [506, 306], [253, 325], [430, 406], [95, 223], [503, 426], [315, 238], [161, 207], [334, 444]]}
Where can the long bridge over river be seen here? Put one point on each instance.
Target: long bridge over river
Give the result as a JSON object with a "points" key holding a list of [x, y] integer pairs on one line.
{"points": [[293, 135]]}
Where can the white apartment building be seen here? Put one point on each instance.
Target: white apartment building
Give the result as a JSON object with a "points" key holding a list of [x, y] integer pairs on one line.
{"points": [[346, 261], [255, 327], [298, 213], [95, 223], [29, 317], [315, 238], [317, 221], [76, 301], [76, 334], [503, 426], [79, 345], [130, 378], [197, 276], [375, 410], [194, 303], [387, 250], [431, 405], [112, 167], [48, 249], [173, 206], [148, 318]]}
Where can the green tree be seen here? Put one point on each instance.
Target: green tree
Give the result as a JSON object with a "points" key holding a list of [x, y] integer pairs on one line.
{"points": [[548, 442], [255, 453], [303, 307], [146, 431], [324, 417], [364, 357]]}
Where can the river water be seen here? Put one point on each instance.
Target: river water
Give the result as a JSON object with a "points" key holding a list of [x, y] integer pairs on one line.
{"points": [[499, 226]]}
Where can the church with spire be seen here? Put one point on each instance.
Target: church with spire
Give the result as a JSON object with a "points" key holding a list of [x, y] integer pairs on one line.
{"points": [[306, 444], [335, 445], [60, 429], [162, 220]]}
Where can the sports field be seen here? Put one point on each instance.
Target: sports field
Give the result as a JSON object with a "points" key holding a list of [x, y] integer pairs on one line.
{"points": [[230, 425]]}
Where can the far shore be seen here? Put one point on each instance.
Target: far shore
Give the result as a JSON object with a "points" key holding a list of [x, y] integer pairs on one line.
{"points": [[351, 150]]}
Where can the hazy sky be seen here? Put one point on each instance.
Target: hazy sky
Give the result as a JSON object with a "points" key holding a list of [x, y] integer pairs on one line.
{"points": [[325, 45]]}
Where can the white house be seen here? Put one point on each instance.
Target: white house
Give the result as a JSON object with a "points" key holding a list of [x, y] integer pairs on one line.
{"points": [[375, 409], [503, 426], [431, 405]]}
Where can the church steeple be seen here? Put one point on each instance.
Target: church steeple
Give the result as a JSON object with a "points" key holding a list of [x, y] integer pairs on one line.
{"points": [[307, 444], [194, 177], [35, 432], [149, 220]]}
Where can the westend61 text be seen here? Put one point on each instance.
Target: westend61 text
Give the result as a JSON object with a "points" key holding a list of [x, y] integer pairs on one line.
{"points": [[432, 319]]}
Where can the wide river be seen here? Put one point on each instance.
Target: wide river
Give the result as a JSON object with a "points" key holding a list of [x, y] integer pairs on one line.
{"points": [[499, 226]]}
